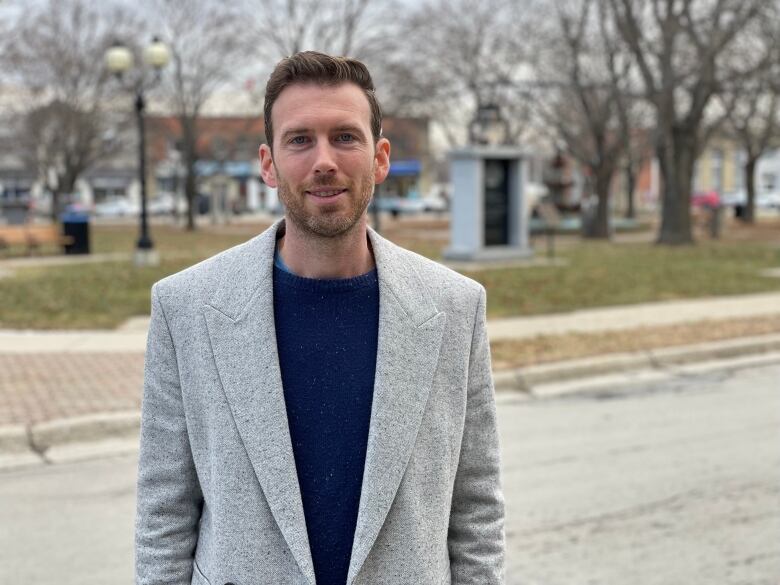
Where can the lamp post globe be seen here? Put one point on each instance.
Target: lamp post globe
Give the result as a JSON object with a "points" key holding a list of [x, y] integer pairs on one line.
{"points": [[120, 61], [157, 54]]}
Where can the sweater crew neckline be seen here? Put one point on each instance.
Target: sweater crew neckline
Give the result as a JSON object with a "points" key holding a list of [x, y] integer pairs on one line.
{"points": [[292, 280]]}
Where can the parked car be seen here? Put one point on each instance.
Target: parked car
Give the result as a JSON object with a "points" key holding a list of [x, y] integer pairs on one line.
{"points": [[116, 207], [435, 203], [708, 199], [763, 200], [41, 204], [409, 205], [165, 204], [397, 205]]}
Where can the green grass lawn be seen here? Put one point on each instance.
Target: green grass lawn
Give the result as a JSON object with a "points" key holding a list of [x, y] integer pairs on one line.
{"points": [[103, 295], [170, 240], [91, 296], [600, 274]]}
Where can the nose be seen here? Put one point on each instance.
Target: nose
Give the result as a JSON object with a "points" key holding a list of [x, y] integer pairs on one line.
{"points": [[325, 162]]}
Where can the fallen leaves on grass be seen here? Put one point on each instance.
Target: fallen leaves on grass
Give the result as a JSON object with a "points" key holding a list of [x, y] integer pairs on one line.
{"points": [[548, 348]]}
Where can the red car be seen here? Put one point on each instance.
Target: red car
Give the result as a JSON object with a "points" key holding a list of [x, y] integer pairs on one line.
{"points": [[708, 199]]}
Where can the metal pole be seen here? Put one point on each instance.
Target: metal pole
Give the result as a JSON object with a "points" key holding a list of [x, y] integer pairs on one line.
{"points": [[144, 241]]}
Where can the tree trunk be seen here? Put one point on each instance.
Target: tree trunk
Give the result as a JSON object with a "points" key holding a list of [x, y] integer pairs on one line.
{"points": [[65, 184], [190, 192], [189, 138], [599, 227], [676, 156], [749, 213], [630, 188]]}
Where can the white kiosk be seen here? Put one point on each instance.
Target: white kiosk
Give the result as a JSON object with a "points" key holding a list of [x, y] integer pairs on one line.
{"points": [[489, 212]]}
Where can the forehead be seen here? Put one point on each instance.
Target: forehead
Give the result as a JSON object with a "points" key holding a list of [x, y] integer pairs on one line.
{"points": [[311, 105]]}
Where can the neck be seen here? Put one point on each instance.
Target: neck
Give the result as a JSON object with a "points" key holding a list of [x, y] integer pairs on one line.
{"points": [[311, 256]]}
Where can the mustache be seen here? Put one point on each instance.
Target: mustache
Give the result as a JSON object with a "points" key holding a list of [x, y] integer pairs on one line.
{"points": [[323, 181]]}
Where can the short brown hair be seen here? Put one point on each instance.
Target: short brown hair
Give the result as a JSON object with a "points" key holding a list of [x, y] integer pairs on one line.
{"points": [[314, 67]]}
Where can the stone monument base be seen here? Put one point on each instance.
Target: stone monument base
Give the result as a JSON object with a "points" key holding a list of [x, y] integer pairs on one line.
{"points": [[490, 254]]}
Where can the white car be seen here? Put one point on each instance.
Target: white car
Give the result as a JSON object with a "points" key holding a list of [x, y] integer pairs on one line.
{"points": [[763, 200], [117, 207], [435, 203]]}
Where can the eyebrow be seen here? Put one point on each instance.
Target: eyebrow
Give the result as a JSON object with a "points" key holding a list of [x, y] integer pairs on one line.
{"points": [[294, 131], [302, 130]]}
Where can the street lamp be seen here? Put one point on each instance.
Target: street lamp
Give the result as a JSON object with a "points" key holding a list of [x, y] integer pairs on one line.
{"points": [[488, 126], [120, 61]]}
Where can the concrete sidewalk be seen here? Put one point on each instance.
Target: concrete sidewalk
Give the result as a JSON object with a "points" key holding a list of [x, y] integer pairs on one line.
{"points": [[635, 316], [131, 336], [71, 387]]}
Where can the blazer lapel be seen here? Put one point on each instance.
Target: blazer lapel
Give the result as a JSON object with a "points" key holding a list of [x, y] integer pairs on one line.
{"points": [[410, 334], [240, 323]]}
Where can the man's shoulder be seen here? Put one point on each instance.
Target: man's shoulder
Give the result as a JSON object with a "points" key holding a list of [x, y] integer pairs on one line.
{"points": [[437, 273], [236, 267], [443, 284]]}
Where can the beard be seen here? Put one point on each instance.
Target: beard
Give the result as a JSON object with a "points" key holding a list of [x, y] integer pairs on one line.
{"points": [[327, 223]]}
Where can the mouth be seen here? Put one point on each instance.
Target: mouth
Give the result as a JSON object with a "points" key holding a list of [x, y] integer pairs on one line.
{"points": [[325, 193]]}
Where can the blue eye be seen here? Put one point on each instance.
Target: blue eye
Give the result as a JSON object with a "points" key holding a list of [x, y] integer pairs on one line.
{"points": [[345, 137], [298, 140]]}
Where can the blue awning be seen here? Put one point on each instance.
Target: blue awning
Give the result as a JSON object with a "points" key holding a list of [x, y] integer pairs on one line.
{"points": [[405, 168]]}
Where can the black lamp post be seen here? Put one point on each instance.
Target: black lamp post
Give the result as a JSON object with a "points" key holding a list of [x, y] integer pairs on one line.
{"points": [[119, 60]]}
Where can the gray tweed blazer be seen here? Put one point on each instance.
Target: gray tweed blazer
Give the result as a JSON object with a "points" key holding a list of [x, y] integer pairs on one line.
{"points": [[218, 495]]}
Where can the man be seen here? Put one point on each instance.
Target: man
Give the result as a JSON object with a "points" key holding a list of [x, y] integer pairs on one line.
{"points": [[318, 404]]}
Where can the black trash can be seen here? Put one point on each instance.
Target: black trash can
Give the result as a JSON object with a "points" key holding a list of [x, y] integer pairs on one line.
{"points": [[75, 226]]}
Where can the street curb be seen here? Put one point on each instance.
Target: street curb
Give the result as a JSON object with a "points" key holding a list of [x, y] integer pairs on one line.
{"points": [[14, 439], [84, 429], [112, 433], [524, 379], [68, 439]]}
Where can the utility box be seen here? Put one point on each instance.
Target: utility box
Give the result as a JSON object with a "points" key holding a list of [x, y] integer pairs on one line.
{"points": [[489, 211]]}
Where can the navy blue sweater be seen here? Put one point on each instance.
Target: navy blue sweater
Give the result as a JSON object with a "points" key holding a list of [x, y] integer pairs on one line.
{"points": [[326, 335]]}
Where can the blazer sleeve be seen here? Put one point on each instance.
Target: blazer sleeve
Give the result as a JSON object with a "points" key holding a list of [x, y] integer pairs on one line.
{"points": [[169, 495], [476, 529]]}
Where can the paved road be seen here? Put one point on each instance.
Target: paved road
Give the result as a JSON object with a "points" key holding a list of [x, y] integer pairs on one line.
{"points": [[677, 483], [68, 524]]}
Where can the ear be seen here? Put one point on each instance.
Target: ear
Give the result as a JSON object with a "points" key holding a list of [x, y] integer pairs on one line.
{"points": [[381, 160], [267, 169]]}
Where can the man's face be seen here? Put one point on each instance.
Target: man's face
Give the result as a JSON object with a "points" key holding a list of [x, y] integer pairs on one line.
{"points": [[324, 160]]}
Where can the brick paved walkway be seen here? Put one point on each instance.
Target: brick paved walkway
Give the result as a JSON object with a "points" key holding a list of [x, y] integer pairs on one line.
{"points": [[38, 387], [52, 375]]}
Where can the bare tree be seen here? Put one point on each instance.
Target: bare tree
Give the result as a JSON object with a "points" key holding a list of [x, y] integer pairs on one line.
{"points": [[62, 142], [56, 54], [755, 124], [681, 48], [341, 27], [752, 107], [454, 57], [207, 54], [580, 99], [634, 119], [636, 134]]}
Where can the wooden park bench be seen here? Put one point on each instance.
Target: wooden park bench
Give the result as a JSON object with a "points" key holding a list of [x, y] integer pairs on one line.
{"points": [[32, 236]]}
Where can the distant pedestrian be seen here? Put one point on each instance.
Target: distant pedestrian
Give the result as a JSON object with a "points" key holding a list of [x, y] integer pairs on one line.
{"points": [[318, 403]]}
